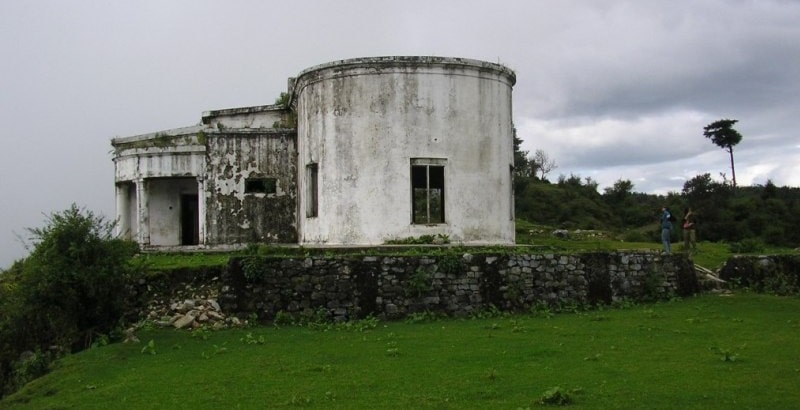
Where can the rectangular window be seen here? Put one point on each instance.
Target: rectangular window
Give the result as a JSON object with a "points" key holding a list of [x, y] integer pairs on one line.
{"points": [[260, 185], [427, 190], [312, 181]]}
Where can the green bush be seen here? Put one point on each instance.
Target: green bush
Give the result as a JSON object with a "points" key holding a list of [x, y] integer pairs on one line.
{"points": [[283, 319], [449, 264], [30, 366], [419, 283], [69, 290]]}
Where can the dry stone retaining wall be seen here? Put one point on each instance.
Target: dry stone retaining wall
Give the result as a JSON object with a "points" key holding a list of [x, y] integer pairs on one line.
{"points": [[352, 287], [779, 274], [391, 287]]}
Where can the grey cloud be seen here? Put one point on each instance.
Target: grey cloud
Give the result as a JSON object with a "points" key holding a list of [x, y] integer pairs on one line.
{"points": [[611, 89]]}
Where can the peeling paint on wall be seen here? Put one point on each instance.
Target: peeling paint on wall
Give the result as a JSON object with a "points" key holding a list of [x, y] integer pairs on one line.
{"points": [[359, 124], [234, 216]]}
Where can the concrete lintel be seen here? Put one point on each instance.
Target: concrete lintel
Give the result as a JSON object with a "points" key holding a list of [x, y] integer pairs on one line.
{"points": [[155, 151], [251, 131], [174, 132], [208, 115]]}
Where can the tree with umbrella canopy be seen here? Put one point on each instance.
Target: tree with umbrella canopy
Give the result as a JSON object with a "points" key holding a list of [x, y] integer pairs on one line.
{"points": [[724, 136]]}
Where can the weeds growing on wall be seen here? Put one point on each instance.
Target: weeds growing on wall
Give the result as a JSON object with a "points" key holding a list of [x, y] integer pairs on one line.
{"points": [[438, 239], [419, 283], [254, 268], [651, 287], [449, 264], [777, 274]]}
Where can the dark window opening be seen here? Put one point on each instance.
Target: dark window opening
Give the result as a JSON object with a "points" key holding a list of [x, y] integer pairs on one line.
{"points": [[311, 190], [190, 223], [260, 186], [427, 194]]}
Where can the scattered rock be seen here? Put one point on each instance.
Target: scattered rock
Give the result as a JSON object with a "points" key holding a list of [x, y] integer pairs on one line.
{"points": [[181, 312], [183, 321], [130, 337]]}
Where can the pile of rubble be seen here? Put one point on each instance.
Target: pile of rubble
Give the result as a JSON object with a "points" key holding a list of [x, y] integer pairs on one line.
{"points": [[579, 234], [190, 308], [192, 314]]}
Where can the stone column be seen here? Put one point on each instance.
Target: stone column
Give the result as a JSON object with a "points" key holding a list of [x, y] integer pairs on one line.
{"points": [[201, 210], [123, 211], [142, 212]]}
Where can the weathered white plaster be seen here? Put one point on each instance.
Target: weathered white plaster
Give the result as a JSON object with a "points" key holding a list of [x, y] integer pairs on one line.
{"points": [[234, 215], [165, 208], [127, 223], [363, 120], [265, 116], [142, 212]]}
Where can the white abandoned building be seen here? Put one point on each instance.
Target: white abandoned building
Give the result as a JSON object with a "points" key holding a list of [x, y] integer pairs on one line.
{"points": [[364, 151]]}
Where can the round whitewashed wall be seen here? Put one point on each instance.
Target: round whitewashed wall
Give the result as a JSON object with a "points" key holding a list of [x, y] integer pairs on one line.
{"points": [[397, 147]]}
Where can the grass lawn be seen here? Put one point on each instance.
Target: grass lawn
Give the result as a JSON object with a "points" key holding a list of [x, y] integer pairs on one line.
{"points": [[530, 238], [710, 351], [158, 261], [710, 255]]}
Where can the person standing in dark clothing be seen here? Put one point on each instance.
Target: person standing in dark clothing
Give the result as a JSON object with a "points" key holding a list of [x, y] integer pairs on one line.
{"points": [[666, 229]]}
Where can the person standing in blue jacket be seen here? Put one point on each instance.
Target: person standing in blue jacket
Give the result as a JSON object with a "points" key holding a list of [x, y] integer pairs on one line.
{"points": [[666, 229]]}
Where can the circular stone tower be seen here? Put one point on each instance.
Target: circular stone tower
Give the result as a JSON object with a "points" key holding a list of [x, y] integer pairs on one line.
{"points": [[397, 147]]}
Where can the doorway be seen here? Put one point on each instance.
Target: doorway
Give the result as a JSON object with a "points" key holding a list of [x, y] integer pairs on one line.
{"points": [[190, 223]]}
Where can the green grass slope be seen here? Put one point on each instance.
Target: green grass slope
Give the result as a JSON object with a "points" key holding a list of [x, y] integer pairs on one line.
{"points": [[736, 351]]}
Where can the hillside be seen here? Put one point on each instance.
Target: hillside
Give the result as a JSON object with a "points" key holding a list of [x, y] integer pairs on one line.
{"points": [[698, 353]]}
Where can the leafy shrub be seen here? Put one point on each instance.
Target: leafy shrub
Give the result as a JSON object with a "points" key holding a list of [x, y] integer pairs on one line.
{"points": [[419, 283], [449, 264], [30, 366], [317, 318], [777, 274], [781, 283], [650, 287], [283, 319], [73, 287], [489, 312], [77, 273], [254, 268]]}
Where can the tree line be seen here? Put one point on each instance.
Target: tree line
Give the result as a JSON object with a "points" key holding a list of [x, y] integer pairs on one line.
{"points": [[725, 212]]}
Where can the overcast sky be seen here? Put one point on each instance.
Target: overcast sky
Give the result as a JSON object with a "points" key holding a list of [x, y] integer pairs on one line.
{"points": [[609, 89]]}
